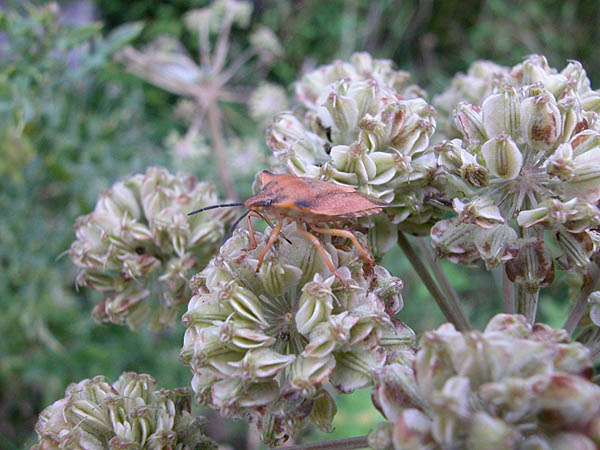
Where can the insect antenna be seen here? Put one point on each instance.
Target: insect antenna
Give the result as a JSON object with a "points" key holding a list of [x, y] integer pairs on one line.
{"points": [[222, 205]]}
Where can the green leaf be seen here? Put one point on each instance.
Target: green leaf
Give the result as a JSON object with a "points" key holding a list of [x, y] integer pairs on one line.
{"points": [[122, 35], [77, 35]]}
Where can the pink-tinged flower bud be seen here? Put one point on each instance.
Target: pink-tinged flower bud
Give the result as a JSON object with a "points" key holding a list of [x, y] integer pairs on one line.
{"points": [[412, 431], [502, 157], [535, 69], [468, 120], [455, 240], [497, 245], [533, 266], [472, 171], [561, 163], [541, 121], [480, 211], [395, 389]]}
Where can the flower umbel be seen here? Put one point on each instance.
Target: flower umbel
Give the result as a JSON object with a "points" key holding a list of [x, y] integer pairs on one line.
{"points": [[139, 243], [526, 169], [129, 413], [263, 345], [363, 127], [513, 386]]}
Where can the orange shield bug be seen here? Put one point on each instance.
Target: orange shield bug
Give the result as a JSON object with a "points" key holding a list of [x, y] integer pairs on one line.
{"points": [[311, 204]]}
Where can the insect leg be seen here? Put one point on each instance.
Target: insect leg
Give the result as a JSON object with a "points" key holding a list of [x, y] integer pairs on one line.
{"points": [[313, 240], [270, 242], [251, 214], [348, 235]]}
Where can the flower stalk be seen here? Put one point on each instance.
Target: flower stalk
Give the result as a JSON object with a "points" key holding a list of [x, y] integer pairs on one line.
{"points": [[528, 301], [508, 294], [438, 272], [588, 287], [449, 307], [339, 444]]}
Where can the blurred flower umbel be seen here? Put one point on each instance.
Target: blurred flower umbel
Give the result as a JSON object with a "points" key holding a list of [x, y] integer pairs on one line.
{"points": [[364, 126], [224, 73], [266, 345], [514, 386], [140, 247], [130, 413]]}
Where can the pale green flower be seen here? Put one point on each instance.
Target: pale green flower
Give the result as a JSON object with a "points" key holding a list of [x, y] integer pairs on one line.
{"points": [[364, 127], [130, 413], [512, 386], [264, 345], [530, 146], [139, 244]]}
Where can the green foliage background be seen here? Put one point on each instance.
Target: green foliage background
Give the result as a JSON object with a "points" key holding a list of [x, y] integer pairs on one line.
{"points": [[72, 122]]}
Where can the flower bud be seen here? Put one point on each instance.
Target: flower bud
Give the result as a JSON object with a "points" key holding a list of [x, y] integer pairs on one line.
{"points": [[468, 120], [502, 157], [501, 115], [491, 432], [323, 412], [540, 121], [480, 211], [315, 305], [535, 69], [561, 163], [471, 171], [533, 265]]}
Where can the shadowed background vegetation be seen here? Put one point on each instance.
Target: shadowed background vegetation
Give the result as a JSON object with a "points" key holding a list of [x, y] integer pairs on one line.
{"points": [[72, 122]]}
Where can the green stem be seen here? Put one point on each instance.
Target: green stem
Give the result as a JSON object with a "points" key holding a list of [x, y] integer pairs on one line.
{"points": [[528, 301], [340, 444], [588, 287], [453, 311], [439, 273], [508, 294]]}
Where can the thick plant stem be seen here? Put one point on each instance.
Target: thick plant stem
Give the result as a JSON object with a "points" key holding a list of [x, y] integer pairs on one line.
{"points": [[588, 287], [214, 122], [453, 311], [341, 444], [438, 272], [528, 301], [508, 294]]}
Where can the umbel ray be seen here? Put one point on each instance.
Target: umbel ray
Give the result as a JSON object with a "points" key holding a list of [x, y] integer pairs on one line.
{"points": [[311, 204]]}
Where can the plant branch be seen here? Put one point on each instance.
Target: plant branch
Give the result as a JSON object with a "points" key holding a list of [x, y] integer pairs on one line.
{"points": [[232, 69], [340, 444], [453, 312], [222, 45], [528, 301], [438, 272], [588, 287], [214, 121]]}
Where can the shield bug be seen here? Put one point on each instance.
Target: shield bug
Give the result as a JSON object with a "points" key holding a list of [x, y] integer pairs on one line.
{"points": [[311, 204]]}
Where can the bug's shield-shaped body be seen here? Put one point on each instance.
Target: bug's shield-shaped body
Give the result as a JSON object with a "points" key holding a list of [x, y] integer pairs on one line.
{"points": [[310, 202]]}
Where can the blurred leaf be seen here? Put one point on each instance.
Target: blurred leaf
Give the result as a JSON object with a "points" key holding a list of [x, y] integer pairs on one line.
{"points": [[122, 35]]}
